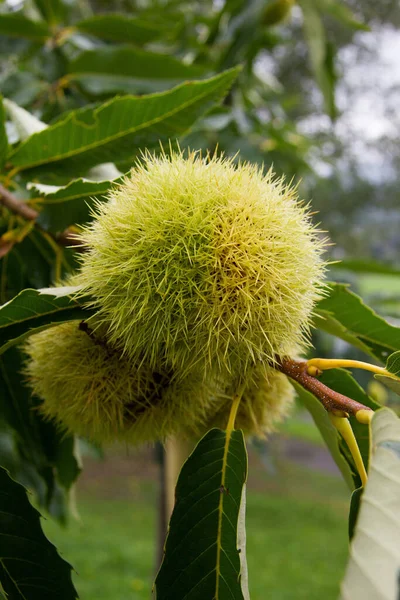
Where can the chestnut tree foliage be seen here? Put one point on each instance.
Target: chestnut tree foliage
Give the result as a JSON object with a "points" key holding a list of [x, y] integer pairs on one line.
{"points": [[84, 93]]}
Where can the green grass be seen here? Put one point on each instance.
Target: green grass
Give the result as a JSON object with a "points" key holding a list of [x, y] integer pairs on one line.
{"points": [[296, 538]]}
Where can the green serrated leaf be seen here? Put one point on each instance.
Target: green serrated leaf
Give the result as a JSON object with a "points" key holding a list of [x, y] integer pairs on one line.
{"points": [[30, 566], [70, 204], [359, 321], [122, 28], [115, 130], [373, 567], [125, 69], [17, 25], [34, 310], [205, 555], [328, 432], [3, 135]]}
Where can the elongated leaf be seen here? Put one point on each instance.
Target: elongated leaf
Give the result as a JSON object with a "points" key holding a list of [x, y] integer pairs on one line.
{"points": [[126, 69], [122, 28], [355, 503], [34, 310], [365, 266], [203, 558], [30, 567], [325, 321], [373, 567], [328, 432], [43, 456], [70, 204], [392, 365], [342, 13], [320, 53], [115, 130], [17, 25], [359, 321], [25, 123], [3, 135], [53, 11]]}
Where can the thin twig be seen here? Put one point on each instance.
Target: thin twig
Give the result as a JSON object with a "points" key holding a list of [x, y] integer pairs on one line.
{"points": [[7, 199], [331, 400]]}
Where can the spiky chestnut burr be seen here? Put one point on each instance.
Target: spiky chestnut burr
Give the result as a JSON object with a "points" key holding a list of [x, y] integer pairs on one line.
{"points": [[208, 265], [265, 402], [88, 388]]}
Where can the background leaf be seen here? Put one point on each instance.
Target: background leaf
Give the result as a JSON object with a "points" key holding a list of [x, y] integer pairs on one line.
{"points": [[123, 28], [53, 11], [202, 558], [17, 25], [356, 321], [129, 70], [34, 310], [320, 53], [38, 453], [115, 130], [70, 204], [3, 135], [30, 567], [373, 568]]}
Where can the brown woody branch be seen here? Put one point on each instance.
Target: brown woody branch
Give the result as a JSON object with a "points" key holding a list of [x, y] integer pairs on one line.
{"points": [[331, 400], [7, 199]]}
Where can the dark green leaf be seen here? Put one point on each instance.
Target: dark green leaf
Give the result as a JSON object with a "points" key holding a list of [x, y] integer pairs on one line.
{"points": [[53, 11], [115, 130], [70, 204], [365, 266], [3, 135], [17, 25], [122, 28], [30, 566], [354, 509], [205, 556], [40, 455], [126, 69], [355, 321], [34, 310], [321, 53], [328, 432]]}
